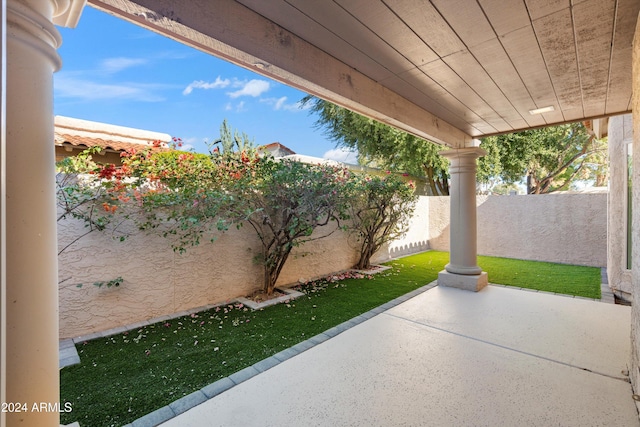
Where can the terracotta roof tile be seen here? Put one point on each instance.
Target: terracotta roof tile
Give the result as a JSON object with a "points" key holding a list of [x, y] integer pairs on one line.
{"points": [[83, 141]]}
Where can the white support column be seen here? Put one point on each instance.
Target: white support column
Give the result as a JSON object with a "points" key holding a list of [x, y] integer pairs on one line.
{"points": [[463, 271], [31, 243]]}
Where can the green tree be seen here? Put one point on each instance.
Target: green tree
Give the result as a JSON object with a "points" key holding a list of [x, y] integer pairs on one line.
{"points": [[379, 211], [381, 145], [231, 140], [284, 202], [489, 171], [549, 159], [596, 165], [176, 194], [185, 196]]}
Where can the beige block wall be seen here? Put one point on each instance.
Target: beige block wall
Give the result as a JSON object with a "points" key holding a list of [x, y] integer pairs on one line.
{"points": [[158, 281], [563, 228]]}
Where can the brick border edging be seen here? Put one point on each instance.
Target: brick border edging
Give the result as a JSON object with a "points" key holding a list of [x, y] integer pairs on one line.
{"points": [[189, 401]]}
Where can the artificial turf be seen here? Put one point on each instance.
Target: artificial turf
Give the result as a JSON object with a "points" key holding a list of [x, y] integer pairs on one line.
{"points": [[544, 276], [125, 376]]}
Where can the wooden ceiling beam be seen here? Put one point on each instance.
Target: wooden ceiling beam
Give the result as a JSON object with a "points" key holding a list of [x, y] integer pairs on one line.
{"points": [[233, 32]]}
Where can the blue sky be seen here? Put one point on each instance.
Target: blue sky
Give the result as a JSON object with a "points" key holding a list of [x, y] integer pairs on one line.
{"points": [[118, 73]]}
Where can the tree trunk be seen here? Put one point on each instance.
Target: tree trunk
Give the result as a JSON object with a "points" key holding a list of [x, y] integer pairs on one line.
{"points": [[364, 263], [431, 181], [273, 266], [443, 186], [532, 187]]}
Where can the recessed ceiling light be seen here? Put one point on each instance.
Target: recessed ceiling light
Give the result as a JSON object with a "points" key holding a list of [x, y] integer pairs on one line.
{"points": [[542, 110]]}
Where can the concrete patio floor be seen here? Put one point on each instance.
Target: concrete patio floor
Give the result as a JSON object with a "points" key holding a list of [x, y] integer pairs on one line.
{"points": [[447, 357]]}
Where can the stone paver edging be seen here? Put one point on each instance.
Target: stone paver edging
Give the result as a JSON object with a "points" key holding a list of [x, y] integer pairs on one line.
{"points": [[290, 294]]}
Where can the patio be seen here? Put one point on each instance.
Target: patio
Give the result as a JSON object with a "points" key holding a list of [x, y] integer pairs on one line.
{"points": [[446, 357], [501, 356]]}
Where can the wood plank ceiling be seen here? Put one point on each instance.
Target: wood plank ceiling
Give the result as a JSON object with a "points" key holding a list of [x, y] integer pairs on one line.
{"points": [[478, 65]]}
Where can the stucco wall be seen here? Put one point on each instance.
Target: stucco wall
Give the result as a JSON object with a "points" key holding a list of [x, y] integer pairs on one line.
{"points": [[620, 134], [158, 281], [563, 228], [635, 266]]}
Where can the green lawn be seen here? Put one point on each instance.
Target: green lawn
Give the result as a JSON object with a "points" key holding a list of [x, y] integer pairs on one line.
{"points": [[543, 276], [126, 376]]}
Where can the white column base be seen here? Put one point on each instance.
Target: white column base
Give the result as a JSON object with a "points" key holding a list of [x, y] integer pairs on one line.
{"points": [[473, 282]]}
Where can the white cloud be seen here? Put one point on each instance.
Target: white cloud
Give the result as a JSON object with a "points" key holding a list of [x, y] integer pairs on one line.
{"points": [[240, 107], [276, 103], [342, 155], [71, 87], [219, 83], [114, 65], [252, 88], [281, 104]]}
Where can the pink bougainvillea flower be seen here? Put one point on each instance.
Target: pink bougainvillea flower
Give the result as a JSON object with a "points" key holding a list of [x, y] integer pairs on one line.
{"points": [[107, 171]]}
